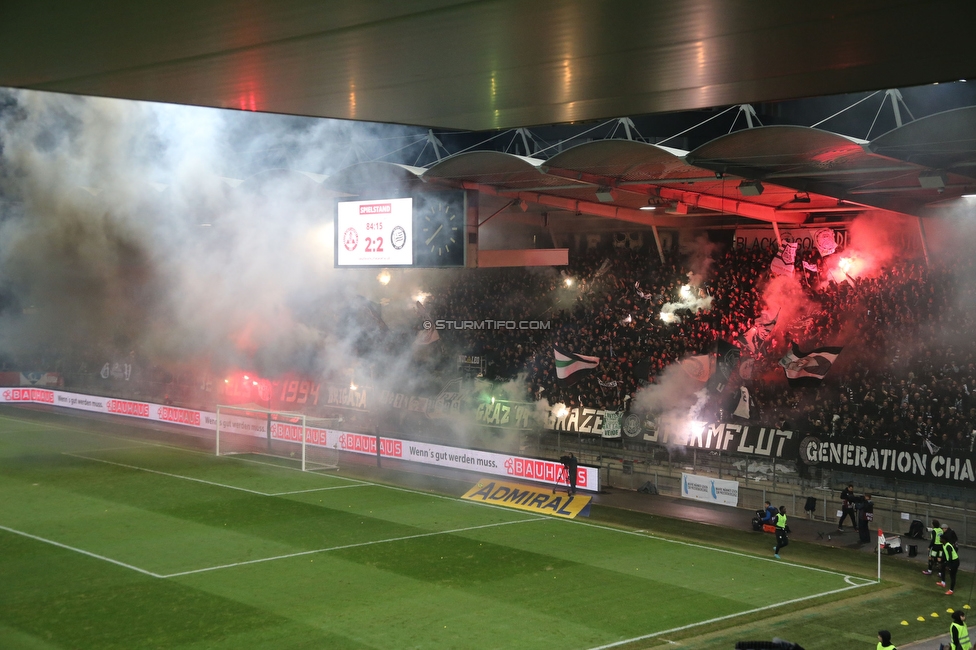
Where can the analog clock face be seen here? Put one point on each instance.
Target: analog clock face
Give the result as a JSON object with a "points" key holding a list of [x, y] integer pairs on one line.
{"points": [[440, 231]]}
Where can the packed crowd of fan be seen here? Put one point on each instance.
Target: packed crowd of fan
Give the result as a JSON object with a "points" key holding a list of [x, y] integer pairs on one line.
{"points": [[906, 375]]}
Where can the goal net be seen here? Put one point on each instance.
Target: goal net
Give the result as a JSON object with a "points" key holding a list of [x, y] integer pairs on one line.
{"points": [[292, 439]]}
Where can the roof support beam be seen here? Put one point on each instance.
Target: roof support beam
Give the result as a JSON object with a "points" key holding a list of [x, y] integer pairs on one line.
{"points": [[591, 208], [712, 202], [755, 211]]}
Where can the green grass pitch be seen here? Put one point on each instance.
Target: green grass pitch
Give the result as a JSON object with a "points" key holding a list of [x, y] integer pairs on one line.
{"points": [[109, 541]]}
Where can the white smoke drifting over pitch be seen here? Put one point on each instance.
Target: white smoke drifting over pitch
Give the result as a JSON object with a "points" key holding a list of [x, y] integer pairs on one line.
{"points": [[186, 234]]}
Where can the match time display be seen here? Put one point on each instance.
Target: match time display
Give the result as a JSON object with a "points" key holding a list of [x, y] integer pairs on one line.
{"points": [[374, 233]]}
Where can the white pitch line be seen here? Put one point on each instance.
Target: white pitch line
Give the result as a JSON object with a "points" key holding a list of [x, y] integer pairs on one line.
{"points": [[357, 545], [707, 548], [148, 443], [153, 471], [319, 489], [727, 617], [95, 451], [79, 550]]}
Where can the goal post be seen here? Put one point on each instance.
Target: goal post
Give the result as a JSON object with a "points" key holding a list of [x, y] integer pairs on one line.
{"points": [[292, 439]]}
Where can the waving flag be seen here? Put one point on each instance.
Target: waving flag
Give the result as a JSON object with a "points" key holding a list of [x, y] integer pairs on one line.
{"points": [[806, 369], [742, 406], [699, 367], [783, 263], [570, 367], [825, 241]]}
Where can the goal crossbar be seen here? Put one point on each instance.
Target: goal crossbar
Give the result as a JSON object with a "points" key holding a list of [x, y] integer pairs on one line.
{"points": [[292, 437]]}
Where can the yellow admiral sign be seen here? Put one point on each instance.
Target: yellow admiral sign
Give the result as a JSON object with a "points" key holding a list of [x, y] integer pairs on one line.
{"points": [[522, 497]]}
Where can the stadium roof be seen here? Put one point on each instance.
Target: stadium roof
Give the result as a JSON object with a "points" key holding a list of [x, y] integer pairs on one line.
{"points": [[781, 174], [515, 63], [481, 65]]}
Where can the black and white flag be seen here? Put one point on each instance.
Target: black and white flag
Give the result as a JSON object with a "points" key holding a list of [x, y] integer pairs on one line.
{"points": [[805, 369]]}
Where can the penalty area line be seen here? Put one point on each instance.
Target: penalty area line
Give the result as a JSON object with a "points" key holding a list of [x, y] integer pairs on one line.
{"points": [[79, 550], [727, 617], [318, 489], [346, 546], [153, 471]]}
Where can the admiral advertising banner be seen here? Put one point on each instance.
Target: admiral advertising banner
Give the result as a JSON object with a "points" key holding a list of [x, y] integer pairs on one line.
{"points": [[711, 490], [897, 462], [523, 497]]}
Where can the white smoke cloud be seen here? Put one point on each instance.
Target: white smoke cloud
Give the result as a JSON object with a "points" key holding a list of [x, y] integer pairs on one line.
{"points": [[187, 234]]}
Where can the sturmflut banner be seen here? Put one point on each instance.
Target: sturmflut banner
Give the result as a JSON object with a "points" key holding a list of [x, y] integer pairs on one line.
{"points": [[711, 490], [744, 439]]}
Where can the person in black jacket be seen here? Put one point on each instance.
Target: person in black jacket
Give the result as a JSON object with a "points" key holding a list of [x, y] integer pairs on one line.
{"points": [[865, 515], [571, 465], [948, 539], [847, 507]]}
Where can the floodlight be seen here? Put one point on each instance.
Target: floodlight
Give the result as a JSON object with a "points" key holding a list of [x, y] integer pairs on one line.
{"points": [[932, 180], [750, 188]]}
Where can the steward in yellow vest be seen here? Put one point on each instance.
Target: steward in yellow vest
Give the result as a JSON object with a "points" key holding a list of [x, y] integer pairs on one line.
{"points": [[950, 565], [884, 640], [958, 632], [781, 531], [935, 547]]}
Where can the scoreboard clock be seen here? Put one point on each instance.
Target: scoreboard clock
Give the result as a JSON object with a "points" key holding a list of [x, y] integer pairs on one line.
{"points": [[439, 222], [425, 230]]}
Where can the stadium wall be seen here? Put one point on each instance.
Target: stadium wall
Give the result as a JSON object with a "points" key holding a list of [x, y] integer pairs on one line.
{"points": [[481, 462]]}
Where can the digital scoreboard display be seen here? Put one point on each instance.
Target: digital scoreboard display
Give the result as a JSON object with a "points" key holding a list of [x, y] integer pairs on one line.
{"points": [[374, 233], [426, 230]]}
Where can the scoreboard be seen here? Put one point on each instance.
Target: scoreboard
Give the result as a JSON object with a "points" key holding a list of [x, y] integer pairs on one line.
{"points": [[374, 233], [425, 231]]}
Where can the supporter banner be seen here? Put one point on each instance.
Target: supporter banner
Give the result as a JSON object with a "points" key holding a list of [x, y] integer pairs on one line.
{"points": [[712, 490], [636, 426], [899, 462], [506, 415], [765, 238], [404, 402], [468, 361], [118, 370], [611, 424], [45, 379], [577, 419], [40, 379], [523, 497], [750, 440], [446, 402], [484, 462]]}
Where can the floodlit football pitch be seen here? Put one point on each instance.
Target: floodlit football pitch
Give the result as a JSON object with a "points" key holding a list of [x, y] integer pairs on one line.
{"points": [[108, 541]]}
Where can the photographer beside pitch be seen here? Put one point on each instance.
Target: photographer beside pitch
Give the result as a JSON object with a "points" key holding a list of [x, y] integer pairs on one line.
{"points": [[571, 465], [847, 498]]}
